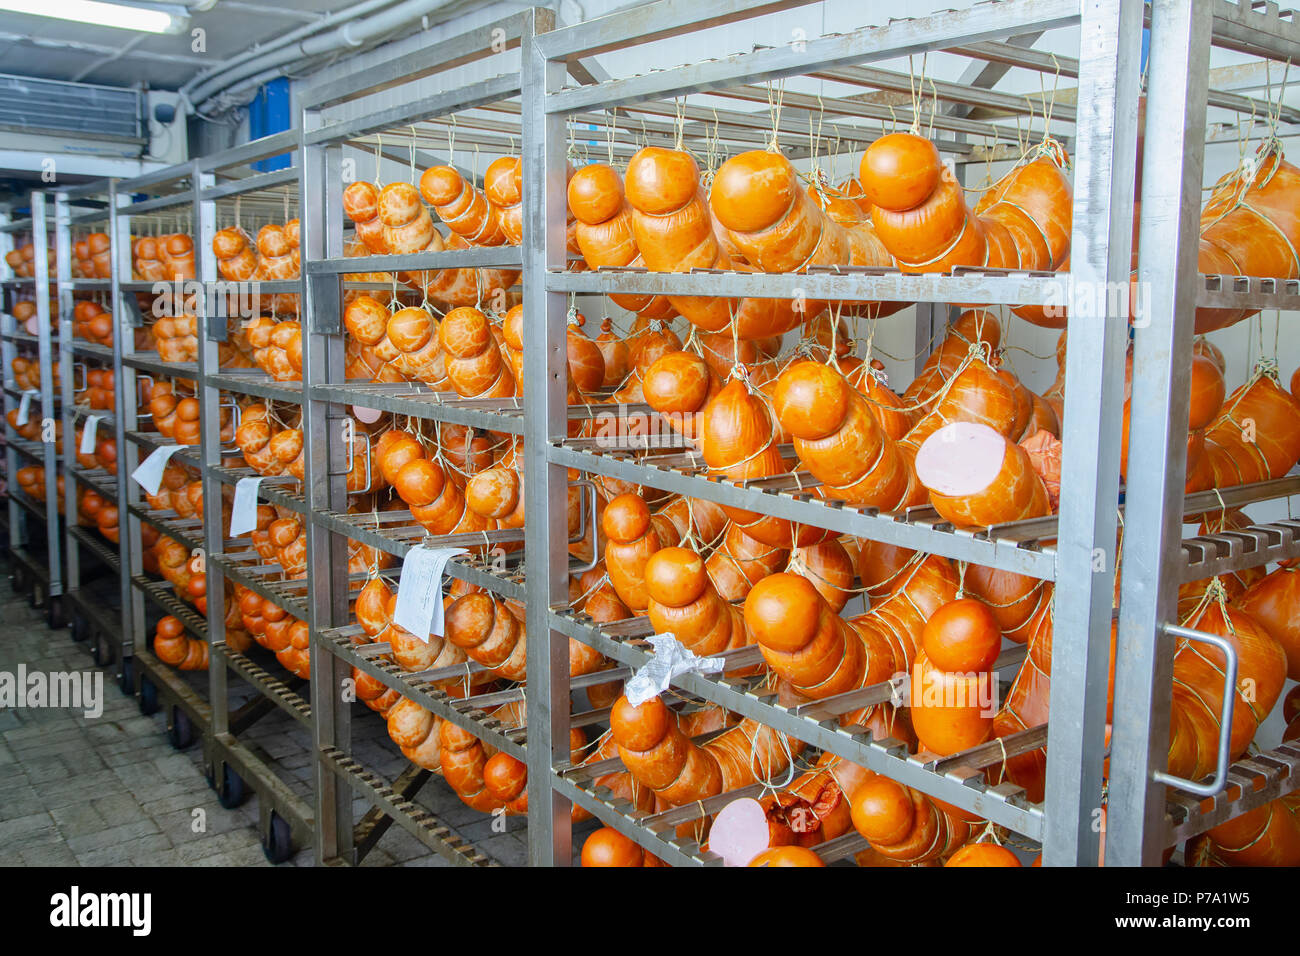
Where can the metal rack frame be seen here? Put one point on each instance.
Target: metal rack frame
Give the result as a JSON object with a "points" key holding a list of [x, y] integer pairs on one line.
{"points": [[339, 776], [88, 617], [43, 574], [1145, 816], [276, 798], [168, 191], [1108, 88]]}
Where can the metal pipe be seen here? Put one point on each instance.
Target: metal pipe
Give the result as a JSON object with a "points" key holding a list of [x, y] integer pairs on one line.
{"points": [[298, 33], [353, 33]]}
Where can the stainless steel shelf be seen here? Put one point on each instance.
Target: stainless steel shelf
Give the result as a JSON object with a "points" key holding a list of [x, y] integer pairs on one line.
{"points": [[161, 594], [21, 338], [1252, 782], [28, 449], [423, 824], [153, 441], [1016, 546], [413, 399], [100, 480], [149, 363], [269, 686], [991, 286], [188, 531], [258, 383], [20, 496], [957, 779], [246, 569], [482, 257], [394, 532], [91, 350], [281, 491], [97, 546], [463, 712]]}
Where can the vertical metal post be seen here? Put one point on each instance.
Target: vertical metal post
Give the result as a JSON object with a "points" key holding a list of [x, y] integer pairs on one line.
{"points": [[321, 187], [1109, 55], [128, 453], [67, 392], [209, 363], [8, 351], [45, 351], [545, 414], [124, 401], [1167, 270]]}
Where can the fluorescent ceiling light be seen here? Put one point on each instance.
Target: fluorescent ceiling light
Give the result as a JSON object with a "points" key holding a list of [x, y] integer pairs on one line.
{"points": [[98, 13]]}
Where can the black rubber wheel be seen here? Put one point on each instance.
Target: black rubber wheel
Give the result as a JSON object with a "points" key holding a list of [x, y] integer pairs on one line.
{"points": [[277, 842], [18, 581], [54, 615], [101, 651], [126, 678], [231, 792], [180, 729], [79, 627], [148, 697]]}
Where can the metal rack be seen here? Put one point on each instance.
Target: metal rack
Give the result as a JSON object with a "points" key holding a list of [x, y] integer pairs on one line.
{"points": [[286, 814], [91, 614], [1145, 816], [407, 131], [1103, 151], [40, 574], [148, 205]]}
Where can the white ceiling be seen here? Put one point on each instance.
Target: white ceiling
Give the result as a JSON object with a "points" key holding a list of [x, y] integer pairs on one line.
{"points": [[46, 47]]}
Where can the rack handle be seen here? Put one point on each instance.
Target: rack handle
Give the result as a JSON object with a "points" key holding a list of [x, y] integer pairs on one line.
{"points": [[1225, 718], [589, 485]]}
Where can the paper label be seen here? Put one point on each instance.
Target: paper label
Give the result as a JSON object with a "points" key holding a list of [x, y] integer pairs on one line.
{"points": [[25, 404], [419, 590], [88, 434], [671, 659], [243, 512], [150, 473]]}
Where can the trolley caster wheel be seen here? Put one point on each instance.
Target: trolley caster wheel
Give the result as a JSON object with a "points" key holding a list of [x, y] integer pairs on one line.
{"points": [[101, 652], [126, 679], [148, 697], [18, 581], [79, 628], [54, 616], [180, 729], [276, 841], [230, 793], [36, 596]]}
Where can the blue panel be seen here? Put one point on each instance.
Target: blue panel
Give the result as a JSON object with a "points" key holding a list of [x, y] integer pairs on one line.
{"points": [[267, 114]]}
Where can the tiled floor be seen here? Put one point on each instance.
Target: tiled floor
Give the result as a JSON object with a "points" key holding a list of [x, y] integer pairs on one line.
{"points": [[111, 791]]}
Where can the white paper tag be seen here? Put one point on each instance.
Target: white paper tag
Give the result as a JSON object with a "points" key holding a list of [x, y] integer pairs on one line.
{"points": [[243, 512], [150, 473], [419, 590], [88, 434], [671, 659], [25, 404]]}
